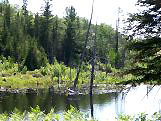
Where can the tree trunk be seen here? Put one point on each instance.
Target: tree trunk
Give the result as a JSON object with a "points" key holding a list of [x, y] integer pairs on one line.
{"points": [[91, 106], [93, 62], [117, 41], [84, 49], [92, 73], [116, 47]]}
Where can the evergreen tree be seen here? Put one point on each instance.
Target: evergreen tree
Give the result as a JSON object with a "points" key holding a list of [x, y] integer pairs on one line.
{"points": [[5, 37], [17, 28], [36, 26], [25, 15], [55, 36], [49, 37], [147, 51], [24, 7], [45, 22], [7, 16], [70, 36]]}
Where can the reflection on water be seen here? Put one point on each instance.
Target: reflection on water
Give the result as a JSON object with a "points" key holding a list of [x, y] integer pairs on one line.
{"points": [[106, 106]]}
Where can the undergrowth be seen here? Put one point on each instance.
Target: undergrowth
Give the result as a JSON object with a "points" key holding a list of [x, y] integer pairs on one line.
{"points": [[37, 115], [13, 75], [141, 117], [71, 115]]}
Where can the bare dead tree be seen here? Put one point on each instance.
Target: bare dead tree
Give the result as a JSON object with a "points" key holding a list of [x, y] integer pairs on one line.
{"points": [[91, 106], [84, 49], [93, 61], [117, 40], [92, 73]]}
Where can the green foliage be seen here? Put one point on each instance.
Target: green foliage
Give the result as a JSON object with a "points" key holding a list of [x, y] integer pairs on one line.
{"points": [[52, 74], [101, 77], [146, 59], [140, 117], [112, 56], [36, 115], [105, 42], [70, 36], [71, 115], [36, 110], [36, 39], [7, 65], [24, 70], [125, 118], [31, 42], [4, 117]]}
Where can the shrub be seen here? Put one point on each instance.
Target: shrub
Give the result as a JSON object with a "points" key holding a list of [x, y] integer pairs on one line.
{"points": [[7, 65], [37, 115]]}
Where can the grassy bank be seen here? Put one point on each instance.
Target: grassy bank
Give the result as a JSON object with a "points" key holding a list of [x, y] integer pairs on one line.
{"points": [[14, 76]]}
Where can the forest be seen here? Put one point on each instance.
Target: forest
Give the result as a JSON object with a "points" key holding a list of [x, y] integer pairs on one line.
{"points": [[36, 40], [39, 50], [33, 40]]}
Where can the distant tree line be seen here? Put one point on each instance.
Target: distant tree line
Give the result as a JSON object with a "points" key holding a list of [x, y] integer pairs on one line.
{"points": [[35, 39]]}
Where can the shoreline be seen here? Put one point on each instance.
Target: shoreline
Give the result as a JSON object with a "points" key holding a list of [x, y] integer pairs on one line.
{"points": [[81, 90]]}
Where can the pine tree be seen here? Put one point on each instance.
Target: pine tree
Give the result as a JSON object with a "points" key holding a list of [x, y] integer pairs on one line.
{"points": [[70, 36], [25, 15], [24, 7], [45, 22], [147, 51], [37, 26], [6, 28], [55, 37]]}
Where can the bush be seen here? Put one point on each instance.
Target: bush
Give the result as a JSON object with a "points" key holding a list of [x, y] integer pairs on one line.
{"points": [[7, 65]]}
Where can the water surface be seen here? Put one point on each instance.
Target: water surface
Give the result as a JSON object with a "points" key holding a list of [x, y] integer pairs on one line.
{"points": [[106, 106]]}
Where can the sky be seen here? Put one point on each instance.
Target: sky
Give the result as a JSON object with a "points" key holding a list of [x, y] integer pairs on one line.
{"points": [[105, 11]]}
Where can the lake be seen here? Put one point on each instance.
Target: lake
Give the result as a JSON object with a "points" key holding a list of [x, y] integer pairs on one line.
{"points": [[106, 106]]}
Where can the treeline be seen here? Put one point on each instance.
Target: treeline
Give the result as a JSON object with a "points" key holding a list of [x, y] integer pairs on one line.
{"points": [[33, 40]]}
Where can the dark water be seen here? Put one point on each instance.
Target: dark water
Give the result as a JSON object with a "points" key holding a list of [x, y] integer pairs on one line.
{"points": [[106, 106]]}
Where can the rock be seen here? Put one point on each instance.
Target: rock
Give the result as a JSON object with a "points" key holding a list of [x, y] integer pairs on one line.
{"points": [[2, 89], [30, 90], [15, 91], [72, 92]]}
